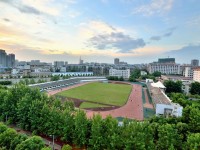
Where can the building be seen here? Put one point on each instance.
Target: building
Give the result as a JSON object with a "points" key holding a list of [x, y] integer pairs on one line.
{"points": [[188, 72], [116, 61], [58, 64], [143, 73], [80, 61], [195, 63], [119, 73], [164, 68], [7, 60], [196, 74], [166, 60], [72, 74], [163, 105]]}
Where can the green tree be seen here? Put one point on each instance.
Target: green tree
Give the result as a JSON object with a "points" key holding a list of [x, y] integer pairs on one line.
{"points": [[195, 88], [67, 147], [81, 128], [193, 141], [32, 143], [172, 86], [156, 74], [7, 137], [17, 140]]}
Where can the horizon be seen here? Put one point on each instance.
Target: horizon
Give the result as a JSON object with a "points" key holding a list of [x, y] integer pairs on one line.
{"points": [[99, 31]]}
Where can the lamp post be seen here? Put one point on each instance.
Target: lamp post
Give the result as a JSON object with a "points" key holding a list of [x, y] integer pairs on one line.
{"points": [[53, 141]]}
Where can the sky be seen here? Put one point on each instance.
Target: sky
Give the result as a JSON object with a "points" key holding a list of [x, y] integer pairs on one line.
{"points": [[136, 31]]}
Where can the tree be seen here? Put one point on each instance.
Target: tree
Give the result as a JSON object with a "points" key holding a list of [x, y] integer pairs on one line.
{"points": [[32, 143], [17, 140], [195, 88], [7, 137], [81, 128], [167, 136], [193, 141], [156, 74], [172, 86], [67, 147]]}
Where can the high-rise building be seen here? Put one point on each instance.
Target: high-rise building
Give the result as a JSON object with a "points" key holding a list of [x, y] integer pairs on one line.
{"points": [[80, 61], [195, 63], [59, 64], [7, 60], [166, 60], [116, 61]]}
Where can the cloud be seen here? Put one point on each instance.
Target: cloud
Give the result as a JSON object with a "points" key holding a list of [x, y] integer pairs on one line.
{"points": [[122, 42], [21, 7], [155, 7], [186, 53], [167, 34], [6, 19]]}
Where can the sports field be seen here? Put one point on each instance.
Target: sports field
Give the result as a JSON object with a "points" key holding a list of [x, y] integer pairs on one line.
{"points": [[104, 93]]}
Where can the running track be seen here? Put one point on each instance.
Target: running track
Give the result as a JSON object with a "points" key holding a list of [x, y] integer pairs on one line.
{"points": [[133, 109]]}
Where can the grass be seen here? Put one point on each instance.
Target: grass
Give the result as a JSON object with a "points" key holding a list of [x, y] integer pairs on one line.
{"points": [[91, 105], [106, 93]]}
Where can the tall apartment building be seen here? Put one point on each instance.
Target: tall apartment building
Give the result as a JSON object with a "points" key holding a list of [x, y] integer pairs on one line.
{"points": [[165, 66], [188, 71], [195, 63], [196, 74], [59, 64], [119, 73], [7, 60], [116, 61]]}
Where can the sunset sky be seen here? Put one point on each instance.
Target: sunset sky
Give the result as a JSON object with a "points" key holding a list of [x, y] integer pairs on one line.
{"points": [[136, 31]]}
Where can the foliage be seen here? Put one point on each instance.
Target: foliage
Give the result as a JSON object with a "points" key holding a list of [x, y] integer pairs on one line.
{"points": [[195, 88], [156, 74], [5, 82], [55, 78], [172, 86], [67, 147]]}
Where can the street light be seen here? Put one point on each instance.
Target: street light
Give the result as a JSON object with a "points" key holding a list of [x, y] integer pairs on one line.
{"points": [[53, 142]]}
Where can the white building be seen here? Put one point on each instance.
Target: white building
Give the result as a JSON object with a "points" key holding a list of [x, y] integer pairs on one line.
{"points": [[196, 74], [72, 74], [119, 73], [143, 73], [188, 72], [161, 101], [164, 68]]}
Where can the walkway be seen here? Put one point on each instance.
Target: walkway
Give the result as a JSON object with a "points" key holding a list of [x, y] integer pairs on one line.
{"points": [[133, 109], [147, 104]]}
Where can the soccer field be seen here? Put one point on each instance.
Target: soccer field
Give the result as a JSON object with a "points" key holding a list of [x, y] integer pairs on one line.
{"points": [[105, 93]]}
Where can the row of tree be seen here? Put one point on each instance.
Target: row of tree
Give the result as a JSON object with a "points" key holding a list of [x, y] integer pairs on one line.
{"points": [[115, 78], [5, 82], [40, 114]]}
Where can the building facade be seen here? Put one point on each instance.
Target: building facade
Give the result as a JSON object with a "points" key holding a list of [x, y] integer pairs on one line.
{"points": [[119, 73], [164, 68], [195, 63], [116, 61], [7, 60], [196, 74]]}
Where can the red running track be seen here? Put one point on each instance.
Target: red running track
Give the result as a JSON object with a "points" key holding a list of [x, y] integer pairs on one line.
{"points": [[133, 109]]}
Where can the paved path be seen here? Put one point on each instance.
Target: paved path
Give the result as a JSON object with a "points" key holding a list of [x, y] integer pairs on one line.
{"points": [[47, 142], [133, 109], [147, 104]]}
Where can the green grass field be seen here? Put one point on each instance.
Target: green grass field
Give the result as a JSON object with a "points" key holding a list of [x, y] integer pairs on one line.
{"points": [[106, 93], [91, 105]]}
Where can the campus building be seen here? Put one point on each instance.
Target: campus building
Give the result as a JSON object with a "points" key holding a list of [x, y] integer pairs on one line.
{"points": [[165, 66], [195, 62], [7, 60], [72, 74], [119, 73], [196, 74]]}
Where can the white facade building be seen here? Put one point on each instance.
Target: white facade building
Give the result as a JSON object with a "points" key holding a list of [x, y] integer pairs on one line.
{"points": [[120, 73], [188, 72], [72, 74], [196, 74], [164, 68]]}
